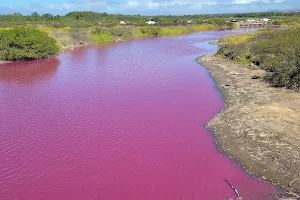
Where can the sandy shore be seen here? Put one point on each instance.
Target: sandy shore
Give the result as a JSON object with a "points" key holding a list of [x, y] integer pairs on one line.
{"points": [[260, 125]]}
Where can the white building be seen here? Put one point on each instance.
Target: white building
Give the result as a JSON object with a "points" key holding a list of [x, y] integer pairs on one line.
{"points": [[189, 21], [265, 20], [250, 20], [151, 22], [123, 22]]}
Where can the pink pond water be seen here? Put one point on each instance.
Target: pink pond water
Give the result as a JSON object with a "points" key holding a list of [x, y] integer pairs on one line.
{"points": [[116, 122]]}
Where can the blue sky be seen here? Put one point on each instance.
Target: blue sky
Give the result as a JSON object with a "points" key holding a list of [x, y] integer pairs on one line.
{"points": [[146, 7]]}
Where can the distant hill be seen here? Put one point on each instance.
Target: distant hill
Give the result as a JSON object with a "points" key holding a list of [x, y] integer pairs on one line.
{"points": [[286, 11]]}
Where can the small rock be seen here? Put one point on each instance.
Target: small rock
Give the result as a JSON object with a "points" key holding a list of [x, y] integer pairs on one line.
{"points": [[255, 77]]}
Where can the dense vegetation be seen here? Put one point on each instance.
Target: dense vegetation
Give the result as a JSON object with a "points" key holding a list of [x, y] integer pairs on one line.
{"points": [[76, 28], [100, 34], [26, 37], [276, 51], [91, 19], [26, 44]]}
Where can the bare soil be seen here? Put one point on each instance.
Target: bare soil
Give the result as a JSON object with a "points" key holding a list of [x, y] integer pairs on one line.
{"points": [[260, 125]]}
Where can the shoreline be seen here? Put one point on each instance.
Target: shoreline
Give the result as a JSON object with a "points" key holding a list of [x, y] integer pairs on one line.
{"points": [[62, 50], [258, 125]]}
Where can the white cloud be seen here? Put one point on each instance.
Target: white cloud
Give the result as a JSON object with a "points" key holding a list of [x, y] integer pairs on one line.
{"points": [[132, 4], [66, 6], [256, 1]]}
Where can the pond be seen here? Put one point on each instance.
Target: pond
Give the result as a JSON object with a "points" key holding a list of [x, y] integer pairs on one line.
{"points": [[116, 122]]}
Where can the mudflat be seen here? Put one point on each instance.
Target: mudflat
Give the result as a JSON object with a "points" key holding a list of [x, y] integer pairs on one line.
{"points": [[260, 125]]}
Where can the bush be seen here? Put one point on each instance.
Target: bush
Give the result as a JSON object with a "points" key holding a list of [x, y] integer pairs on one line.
{"points": [[276, 51], [276, 23], [102, 37], [121, 32], [18, 44], [79, 36], [170, 31], [148, 31], [204, 27]]}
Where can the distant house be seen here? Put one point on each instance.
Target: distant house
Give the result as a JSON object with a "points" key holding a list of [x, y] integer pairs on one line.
{"points": [[265, 20], [205, 20], [189, 21], [151, 22], [123, 22], [234, 20], [250, 20]]}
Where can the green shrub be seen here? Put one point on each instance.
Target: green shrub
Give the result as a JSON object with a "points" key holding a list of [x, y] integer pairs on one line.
{"points": [[18, 44], [102, 37], [79, 36], [276, 51], [148, 31], [173, 31], [276, 23], [121, 32], [204, 27], [128, 35]]}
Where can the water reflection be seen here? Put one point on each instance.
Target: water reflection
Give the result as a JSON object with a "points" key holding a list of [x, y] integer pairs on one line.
{"points": [[29, 71]]}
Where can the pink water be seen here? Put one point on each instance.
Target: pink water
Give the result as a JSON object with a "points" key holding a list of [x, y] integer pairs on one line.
{"points": [[116, 122]]}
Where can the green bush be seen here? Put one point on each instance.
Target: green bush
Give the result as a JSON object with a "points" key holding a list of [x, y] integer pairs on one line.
{"points": [[168, 31], [79, 36], [102, 37], [276, 23], [276, 51], [18, 44], [148, 31], [121, 32]]}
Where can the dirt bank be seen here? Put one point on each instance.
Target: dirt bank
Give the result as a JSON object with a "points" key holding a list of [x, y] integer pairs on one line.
{"points": [[260, 125]]}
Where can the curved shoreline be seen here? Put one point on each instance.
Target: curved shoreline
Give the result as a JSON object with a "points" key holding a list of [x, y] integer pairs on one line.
{"points": [[258, 125]]}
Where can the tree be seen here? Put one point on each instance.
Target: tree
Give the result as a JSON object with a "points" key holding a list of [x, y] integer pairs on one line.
{"points": [[35, 16], [56, 18], [47, 16]]}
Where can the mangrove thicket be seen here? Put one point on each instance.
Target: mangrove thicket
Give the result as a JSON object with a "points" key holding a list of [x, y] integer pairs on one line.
{"points": [[23, 43]]}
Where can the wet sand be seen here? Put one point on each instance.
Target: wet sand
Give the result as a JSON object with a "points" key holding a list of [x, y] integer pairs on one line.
{"points": [[260, 125]]}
